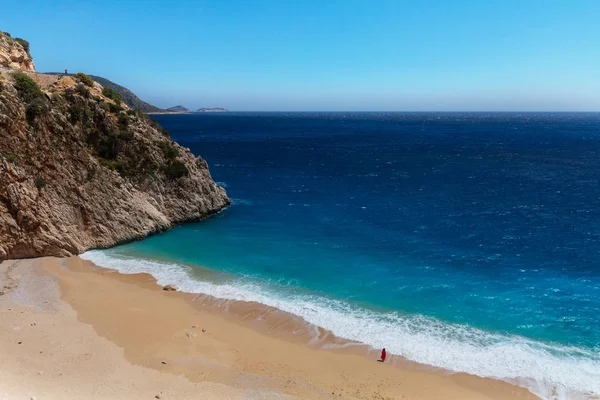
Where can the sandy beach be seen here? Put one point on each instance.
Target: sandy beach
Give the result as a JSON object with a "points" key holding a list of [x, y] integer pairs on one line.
{"points": [[73, 330]]}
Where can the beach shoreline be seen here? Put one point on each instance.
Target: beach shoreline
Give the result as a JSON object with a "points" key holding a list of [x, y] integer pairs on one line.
{"points": [[187, 343]]}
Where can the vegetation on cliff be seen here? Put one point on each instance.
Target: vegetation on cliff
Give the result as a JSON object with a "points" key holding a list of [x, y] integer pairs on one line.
{"points": [[80, 169]]}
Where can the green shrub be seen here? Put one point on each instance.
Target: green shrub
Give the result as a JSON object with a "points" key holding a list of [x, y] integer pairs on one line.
{"points": [[27, 88], [115, 108], [10, 157], [122, 168], [40, 182], [75, 113], [90, 175], [80, 113], [170, 152], [125, 134], [110, 164], [108, 147], [112, 107], [83, 91], [92, 137], [123, 120], [175, 170], [37, 107], [30, 93], [88, 115], [148, 165], [118, 165], [113, 95], [85, 79]]}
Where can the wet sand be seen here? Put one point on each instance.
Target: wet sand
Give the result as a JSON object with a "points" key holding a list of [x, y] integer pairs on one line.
{"points": [[89, 332]]}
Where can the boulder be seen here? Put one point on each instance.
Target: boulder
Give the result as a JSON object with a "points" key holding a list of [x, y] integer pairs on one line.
{"points": [[170, 288]]}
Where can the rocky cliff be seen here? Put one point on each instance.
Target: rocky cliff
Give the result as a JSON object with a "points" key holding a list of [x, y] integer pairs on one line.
{"points": [[14, 53], [79, 169]]}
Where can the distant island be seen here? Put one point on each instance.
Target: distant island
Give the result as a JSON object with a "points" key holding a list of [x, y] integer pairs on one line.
{"points": [[178, 109], [184, 110], [213, 109]]}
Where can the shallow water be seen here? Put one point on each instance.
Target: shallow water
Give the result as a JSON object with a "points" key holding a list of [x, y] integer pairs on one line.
{"points": [[465, 241]]}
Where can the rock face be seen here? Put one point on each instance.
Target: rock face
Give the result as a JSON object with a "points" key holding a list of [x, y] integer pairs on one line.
{"points": [[80, 170], [13, 54]]}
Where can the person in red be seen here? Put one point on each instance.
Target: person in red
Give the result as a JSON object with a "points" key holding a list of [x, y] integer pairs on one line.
{"points": [[383, 355]]}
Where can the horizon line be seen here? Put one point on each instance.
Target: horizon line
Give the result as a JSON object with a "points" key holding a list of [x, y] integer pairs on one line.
{"points": [[379, 111]]}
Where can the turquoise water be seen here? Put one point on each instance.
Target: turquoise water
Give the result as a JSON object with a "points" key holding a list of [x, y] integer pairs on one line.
{"points": [[469, 242]]}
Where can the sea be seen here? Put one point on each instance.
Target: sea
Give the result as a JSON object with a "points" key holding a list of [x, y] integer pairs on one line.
{"points": [[469, 242]]}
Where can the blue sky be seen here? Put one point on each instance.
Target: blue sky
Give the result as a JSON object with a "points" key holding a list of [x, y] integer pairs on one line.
{"points": [[326, 54]]}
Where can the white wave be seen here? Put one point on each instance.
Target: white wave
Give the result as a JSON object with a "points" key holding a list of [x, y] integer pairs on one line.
{"points": [[548, 370]]}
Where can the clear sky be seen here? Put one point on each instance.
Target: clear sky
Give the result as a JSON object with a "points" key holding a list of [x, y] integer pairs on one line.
{"points": [[326, 54]]}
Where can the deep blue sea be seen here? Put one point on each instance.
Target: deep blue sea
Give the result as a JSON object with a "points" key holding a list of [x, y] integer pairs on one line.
{"points": [[466, 241]]}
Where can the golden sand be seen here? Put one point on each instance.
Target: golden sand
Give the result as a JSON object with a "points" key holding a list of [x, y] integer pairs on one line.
{"points": [[88, 332]]}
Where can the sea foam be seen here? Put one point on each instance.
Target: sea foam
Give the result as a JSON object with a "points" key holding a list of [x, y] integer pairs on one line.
{"points": [[548, 370]]}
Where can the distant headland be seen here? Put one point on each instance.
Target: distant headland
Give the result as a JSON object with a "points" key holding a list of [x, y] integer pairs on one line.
{"points": [[213, 109], [185, 110]]}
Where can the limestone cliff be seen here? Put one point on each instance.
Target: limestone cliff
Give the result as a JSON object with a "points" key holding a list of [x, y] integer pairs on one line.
{"points": [[80, 170], [14, 53]]}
